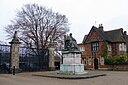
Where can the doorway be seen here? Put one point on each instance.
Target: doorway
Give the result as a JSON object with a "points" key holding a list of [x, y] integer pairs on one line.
{"points": [[95, 63]]}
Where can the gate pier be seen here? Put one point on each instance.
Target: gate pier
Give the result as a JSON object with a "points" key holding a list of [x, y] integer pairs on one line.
{"points": [[14, 53]]}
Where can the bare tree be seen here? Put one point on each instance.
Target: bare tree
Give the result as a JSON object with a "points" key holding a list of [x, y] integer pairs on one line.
{"points": [[37, 26]]}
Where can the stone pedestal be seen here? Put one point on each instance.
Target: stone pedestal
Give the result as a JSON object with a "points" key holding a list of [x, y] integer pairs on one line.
{"points": [[72, 63]]}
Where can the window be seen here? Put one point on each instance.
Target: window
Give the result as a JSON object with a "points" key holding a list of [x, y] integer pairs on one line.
{"points": [[102, 60], [84, 61], [125, 49], [95, 46], [81, 48], [122, 47], [109, 47], [89, 61]]}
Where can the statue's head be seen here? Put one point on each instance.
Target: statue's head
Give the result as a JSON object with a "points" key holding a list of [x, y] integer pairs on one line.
{"points": [[70, 34]]}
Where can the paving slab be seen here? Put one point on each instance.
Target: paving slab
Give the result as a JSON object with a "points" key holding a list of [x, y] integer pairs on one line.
{"points": [[56, 74]]}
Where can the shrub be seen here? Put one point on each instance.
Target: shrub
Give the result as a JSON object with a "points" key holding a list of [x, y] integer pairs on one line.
{"points": [[108, 60], [118, 59]]}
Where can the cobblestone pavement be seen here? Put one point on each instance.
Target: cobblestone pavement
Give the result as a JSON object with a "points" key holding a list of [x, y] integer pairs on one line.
{"points": [[112, 78]]}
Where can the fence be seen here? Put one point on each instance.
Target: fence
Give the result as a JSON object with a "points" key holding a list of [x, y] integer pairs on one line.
{"points": [[4, 58], [28, 59], [31, 61]]}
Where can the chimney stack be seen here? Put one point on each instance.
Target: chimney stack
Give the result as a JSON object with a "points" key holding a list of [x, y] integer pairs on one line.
{"points": [[101, 27], [125, 32]]}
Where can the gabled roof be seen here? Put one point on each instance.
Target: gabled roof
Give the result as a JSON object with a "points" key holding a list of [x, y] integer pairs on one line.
{"points": [[101, 34], [115, 35], [126, 38], [109, 36], [84, 38]]}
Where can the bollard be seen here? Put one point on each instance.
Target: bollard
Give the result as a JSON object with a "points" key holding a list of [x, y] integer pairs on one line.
{"points": [[13, 70]]}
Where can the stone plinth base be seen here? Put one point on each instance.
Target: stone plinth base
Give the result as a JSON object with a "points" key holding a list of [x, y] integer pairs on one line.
{"points": [[72, 69]]}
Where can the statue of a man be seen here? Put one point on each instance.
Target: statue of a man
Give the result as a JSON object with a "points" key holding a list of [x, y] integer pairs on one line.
{"points": [[70, 43]]}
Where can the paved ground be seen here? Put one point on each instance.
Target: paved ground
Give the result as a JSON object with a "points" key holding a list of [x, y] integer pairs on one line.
{"points": [[112, 78]]}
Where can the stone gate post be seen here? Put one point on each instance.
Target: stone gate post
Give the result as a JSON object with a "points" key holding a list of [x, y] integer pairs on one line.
{"points": [[15, 53], [51, 48]]}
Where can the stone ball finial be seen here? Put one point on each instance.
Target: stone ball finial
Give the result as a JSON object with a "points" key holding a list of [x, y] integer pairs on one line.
{"points": [[15, 39]]}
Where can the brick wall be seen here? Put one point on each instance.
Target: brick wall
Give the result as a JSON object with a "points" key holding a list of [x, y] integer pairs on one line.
{"points": [[123, 67]]}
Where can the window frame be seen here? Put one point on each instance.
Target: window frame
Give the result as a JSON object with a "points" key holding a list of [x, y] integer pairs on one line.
{"points": [[95, 46], [122, 47]]}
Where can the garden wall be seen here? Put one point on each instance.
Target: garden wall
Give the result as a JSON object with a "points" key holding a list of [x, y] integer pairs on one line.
{"points": [[122, 67]]}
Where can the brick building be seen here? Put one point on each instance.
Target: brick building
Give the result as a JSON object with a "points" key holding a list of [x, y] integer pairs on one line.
{"points": [[93, 46]]}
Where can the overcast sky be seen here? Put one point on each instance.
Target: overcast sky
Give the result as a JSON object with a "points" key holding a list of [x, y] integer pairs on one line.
{"points": [[82, 14]]}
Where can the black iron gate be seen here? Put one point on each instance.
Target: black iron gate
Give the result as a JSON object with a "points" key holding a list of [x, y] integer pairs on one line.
{"points": [[28, 60], [31, 61]]}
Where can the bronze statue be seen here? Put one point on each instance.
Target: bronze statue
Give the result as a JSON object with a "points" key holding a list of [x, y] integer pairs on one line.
{"points": [[70, 43]]}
